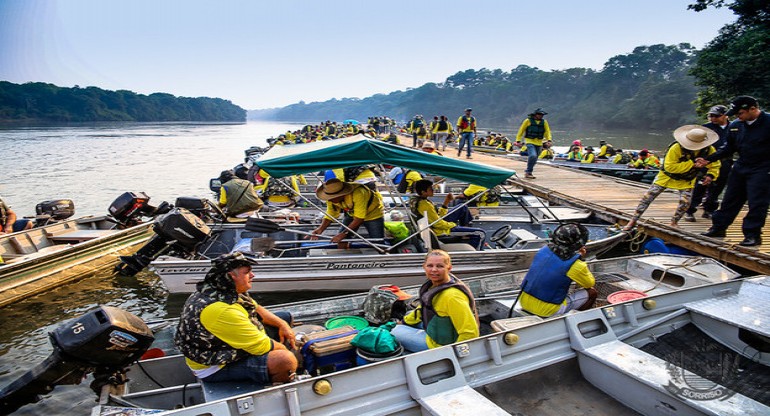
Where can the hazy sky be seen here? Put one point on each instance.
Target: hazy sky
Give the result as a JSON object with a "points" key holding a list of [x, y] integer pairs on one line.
{"points": [[267, 54]]}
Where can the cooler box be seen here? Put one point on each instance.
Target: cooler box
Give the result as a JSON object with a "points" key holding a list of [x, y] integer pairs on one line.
{"points": [[328, 351]]}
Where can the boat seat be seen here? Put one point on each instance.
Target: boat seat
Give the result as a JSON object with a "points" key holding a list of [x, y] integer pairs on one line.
{"points": [[432, 242], [223, 389], [438, 384], [80, 235], [509, 324], [623, 368]]}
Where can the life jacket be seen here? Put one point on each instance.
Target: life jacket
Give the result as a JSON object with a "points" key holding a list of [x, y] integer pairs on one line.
{"points": [[416, 123], [686, 155], [443, 125], [547, 278], [197, 343], [440, 328], [535, 130], [240, 197], [625, 158], [467, 123], [421, 131], [274, 188], [403, 186], [413, 204], [352, 173]]}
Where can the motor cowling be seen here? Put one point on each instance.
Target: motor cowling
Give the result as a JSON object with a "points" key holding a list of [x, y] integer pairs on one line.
{"points": [[104, 340], [178, 230], [58, 209]]}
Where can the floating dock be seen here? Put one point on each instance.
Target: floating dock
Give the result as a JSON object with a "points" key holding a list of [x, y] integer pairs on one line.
{"points": [[615, 200]]}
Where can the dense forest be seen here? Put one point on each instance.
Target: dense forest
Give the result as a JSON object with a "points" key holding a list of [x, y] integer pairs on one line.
{"points": [[654, 87], [648, 88], [41, 102]]}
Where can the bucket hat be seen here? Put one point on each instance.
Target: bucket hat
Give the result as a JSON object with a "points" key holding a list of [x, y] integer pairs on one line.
{"points": [[333, 188], [695, 137]]}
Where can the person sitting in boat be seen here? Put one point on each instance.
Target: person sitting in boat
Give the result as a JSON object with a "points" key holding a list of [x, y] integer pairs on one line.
{"points": [[621, 157], [455, 222], [225, 335], [605, 150], [361, 206], [645, 160], [238, 196], [430, 147], [447, 311], [589, 156], [574, 154], [365, 174], [276, 194], [9, 222], [544, 291], [547, 153], [491, 197]]}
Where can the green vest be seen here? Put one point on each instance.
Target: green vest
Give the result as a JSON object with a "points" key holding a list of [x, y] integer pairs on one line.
{"points": [[241, 197], [535, 130]]}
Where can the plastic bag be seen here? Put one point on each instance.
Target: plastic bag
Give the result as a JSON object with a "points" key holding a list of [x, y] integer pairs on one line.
{"points": [[376, 339]]}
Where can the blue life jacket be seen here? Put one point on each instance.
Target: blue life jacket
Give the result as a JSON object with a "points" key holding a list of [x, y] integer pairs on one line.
{"points": [[547, 276]]}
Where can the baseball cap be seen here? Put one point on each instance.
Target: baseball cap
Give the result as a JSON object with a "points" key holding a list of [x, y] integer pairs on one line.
{"points": [[741, 102], [718, 110]]}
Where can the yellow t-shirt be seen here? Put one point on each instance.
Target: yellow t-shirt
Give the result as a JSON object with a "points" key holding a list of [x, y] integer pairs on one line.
{"points": [[357, 204]]}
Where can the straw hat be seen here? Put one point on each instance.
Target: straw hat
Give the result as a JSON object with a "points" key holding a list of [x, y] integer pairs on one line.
{"points": [[695, 137], [333, 188], [428, 145]]}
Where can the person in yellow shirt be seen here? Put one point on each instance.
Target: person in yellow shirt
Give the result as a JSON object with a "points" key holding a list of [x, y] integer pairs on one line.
{"points": [[441, 132], [275, 194], [545, 289], [447, 311], [491, 198], [466, 127], [679, 172], [360, 205], [589, 156], [547, 153], [534, 129], [225, 335], [456, 223]]}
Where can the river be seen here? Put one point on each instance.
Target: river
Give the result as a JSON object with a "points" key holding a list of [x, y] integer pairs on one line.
{"points": [[92, 165]]}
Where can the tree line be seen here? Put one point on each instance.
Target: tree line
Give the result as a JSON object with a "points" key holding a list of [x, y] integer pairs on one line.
{"points": [[42, 102], [654, 87]]}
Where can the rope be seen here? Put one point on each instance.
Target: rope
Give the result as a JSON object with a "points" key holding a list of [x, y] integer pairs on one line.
{"points": [[687, 265], [636, 240]]}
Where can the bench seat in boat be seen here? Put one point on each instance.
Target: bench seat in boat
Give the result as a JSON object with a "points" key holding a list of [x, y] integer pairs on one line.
{"points": [[80, 235]]}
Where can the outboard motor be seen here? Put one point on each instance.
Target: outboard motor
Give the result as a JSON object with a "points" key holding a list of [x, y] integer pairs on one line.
{"points": [[178, 231], [201, 208], [128, 208], [48, 212], [104, 341]]}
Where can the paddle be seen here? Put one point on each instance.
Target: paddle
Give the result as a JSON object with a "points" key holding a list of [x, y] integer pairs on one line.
{"points": [[261, 225]]}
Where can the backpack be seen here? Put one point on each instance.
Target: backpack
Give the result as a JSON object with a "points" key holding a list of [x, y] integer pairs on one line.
{"points": [[382, 305], [402, 186], [421, 131]]}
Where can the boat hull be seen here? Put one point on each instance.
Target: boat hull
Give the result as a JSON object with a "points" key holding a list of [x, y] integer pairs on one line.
{"points": [[58, 264]]}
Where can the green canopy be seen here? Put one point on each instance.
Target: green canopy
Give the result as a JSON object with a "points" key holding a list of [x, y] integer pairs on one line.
{"points": [[358, 150]]}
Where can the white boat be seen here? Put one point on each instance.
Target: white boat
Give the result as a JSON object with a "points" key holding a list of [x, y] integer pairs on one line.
{"points": [[610, 359], [316, 266]]}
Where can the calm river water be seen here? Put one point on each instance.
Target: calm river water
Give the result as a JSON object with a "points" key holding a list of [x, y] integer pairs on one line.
{"points": [[92, 165]]}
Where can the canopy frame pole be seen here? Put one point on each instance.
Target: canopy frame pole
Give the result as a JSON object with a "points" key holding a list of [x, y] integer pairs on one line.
{"points": [[394, 190], [439, 219]]}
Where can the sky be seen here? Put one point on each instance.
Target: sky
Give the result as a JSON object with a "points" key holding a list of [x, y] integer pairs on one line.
{"points": [[261, 54]]}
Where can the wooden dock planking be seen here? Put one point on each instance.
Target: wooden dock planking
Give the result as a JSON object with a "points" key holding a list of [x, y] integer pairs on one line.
{"points": [[615, 200]]}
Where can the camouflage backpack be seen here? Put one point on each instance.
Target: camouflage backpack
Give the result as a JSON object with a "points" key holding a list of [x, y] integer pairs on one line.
{"points": [[382, 305]]}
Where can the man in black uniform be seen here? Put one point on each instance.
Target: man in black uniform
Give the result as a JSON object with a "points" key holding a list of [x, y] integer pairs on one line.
{"points": [[749, 135], [718, 121]]}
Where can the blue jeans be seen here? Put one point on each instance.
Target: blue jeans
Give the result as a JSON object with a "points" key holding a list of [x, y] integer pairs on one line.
{"points": [[411, 338], [376, 228], [532, 154], [465, 138]]}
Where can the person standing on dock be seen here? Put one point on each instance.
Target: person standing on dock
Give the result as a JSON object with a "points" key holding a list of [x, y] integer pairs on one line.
{"points": [[718, 121], [466, 127], [749, 135], [679, 170], [534, 129]]}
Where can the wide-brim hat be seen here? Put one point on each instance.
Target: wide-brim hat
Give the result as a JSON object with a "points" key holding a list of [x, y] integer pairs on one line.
{"points": [[333, 188], [428, 145], [539, 111], [695, 137]]}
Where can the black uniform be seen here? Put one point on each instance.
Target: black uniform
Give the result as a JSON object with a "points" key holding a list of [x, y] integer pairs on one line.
{"points": [[750, 176]]}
